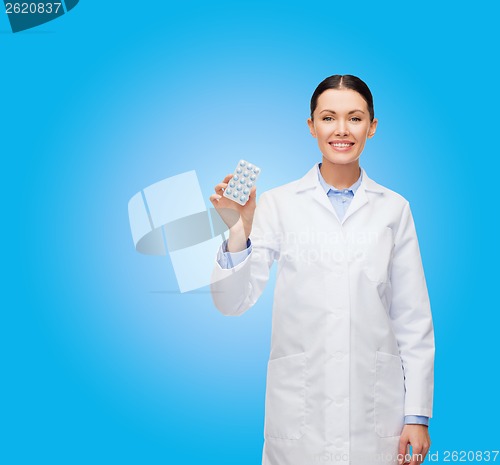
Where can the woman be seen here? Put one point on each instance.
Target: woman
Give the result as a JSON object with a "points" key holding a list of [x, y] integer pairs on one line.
{"points": [[350, 375]]}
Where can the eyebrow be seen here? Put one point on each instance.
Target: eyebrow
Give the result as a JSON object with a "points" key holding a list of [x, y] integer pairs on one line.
{"points": [[352, 111]]}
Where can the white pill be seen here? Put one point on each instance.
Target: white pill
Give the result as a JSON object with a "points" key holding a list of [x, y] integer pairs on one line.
{"points": [[253, 177], [236, 177], [243, 180], [250, 166], [246, 173], [243, 198], [246, 191], [235, 194], [239, 187], [242, 163], [232, 184], [256, 170], [238, 170], [249, 184]]}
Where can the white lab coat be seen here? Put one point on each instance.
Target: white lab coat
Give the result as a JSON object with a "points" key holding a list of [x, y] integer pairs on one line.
{"points": [[352, 347]]}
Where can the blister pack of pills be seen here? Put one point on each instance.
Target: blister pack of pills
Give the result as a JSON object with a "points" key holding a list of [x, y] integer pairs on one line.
{"points": [[244, 178]]}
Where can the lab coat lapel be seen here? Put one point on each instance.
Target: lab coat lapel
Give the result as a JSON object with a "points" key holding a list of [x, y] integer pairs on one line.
{"points": [[311, 186], [362, 197], [319, 195]]}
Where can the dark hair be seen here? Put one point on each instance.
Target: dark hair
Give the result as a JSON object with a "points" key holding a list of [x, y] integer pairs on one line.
{"points": [[346, 81]]}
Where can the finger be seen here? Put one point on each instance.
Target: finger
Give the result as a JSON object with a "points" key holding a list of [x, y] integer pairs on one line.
{"points": [[416, 457], [407, 456], [422, 453], [228, 177], [214, 198], [219, 187], [421, 457], [253, 193], [403, 443]]}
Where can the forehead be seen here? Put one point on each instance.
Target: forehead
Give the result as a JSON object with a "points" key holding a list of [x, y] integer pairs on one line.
{"points": [[341, 100]]}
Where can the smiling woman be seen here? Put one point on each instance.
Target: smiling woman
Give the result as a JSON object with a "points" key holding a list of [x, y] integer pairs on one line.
{"points": [[342, 119], [351, 370]]}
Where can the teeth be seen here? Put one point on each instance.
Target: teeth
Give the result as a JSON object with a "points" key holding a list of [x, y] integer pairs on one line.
{"points": [[342, 145]]}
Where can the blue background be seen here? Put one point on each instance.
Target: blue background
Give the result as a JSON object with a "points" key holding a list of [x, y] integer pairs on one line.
{"points": [[103, 361]]}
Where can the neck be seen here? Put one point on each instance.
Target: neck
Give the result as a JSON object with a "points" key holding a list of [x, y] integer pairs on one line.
{"points": [[340, 176]]}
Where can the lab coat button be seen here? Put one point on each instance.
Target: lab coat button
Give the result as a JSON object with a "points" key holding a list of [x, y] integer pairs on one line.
{"points": [[338, 355]]}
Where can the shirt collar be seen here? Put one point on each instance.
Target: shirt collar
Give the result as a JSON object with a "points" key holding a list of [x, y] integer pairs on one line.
{"points": [[327, 186]]}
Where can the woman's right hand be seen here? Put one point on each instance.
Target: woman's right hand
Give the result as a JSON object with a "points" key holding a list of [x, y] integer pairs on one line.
{"points": [[238, 218]]}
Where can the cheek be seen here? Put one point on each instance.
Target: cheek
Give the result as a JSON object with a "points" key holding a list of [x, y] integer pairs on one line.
{"points": [[361, 134], [324, 132]]}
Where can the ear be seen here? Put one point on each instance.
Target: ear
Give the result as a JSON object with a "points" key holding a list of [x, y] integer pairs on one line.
{"points": [[312, 129], [373, 128]]}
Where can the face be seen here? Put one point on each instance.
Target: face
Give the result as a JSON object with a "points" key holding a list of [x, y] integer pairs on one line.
{"points": [[341, 124]]}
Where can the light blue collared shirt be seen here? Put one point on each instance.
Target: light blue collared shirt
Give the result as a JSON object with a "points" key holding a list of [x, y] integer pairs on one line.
{"points": [[340, 200]]}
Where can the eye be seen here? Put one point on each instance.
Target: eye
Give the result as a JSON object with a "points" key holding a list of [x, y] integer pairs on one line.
{"points": [[327, 118], [356, 119]]}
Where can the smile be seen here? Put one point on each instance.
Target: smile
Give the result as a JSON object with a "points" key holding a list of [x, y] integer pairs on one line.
{"points": [[342, 145]]}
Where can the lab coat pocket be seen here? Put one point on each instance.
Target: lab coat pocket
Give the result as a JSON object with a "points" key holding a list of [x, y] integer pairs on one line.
{"points": [[389, 395], [377, 254], [285, 397]]}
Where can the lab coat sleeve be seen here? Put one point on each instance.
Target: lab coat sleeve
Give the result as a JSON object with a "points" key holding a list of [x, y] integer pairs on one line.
{"points": [[237, 289], [228, 260], [411, 318]]}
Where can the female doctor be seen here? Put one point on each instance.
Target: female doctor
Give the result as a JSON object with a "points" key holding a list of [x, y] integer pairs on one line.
{"points": [[350, 373]]}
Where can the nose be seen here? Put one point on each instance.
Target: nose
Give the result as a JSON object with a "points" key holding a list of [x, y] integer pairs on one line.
{"points": [[341, 129]]}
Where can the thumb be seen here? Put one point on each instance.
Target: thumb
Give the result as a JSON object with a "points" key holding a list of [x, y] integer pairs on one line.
{"points": [[253, 193]]}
